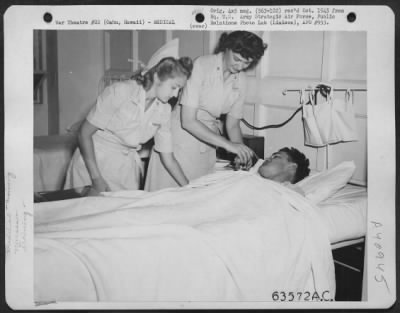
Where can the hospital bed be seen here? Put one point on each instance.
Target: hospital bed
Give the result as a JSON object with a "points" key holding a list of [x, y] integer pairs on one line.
{"points": [[65, 245], [346, 215]]}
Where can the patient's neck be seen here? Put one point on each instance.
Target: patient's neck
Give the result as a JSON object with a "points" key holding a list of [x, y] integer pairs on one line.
{"points": [[282, 178]]}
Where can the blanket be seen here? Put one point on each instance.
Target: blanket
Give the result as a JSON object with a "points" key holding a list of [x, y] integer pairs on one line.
{"points": [[229, 236]]}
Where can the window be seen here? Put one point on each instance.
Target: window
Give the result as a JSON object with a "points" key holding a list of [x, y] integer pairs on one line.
{"points": [[39, 66]]}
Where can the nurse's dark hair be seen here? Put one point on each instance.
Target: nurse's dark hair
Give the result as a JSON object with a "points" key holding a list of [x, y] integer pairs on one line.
{"points": [[301, 160], [167, 68], [247, 44]]}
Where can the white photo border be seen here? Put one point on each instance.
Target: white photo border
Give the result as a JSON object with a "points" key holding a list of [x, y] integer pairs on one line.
{"points": [[19, 23]]}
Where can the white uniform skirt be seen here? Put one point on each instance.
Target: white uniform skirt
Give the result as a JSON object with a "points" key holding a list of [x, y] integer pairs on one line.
{"points": [[119, 165]]}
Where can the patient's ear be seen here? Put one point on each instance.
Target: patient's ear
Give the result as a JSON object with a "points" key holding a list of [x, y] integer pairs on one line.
{"points": [[292, 168]]}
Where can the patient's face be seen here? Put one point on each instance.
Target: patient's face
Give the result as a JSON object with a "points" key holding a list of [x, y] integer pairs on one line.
{"points": [[276, 167]]}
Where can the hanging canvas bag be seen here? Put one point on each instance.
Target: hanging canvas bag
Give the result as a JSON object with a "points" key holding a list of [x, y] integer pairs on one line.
{"points": [[324, 116], [343, 117], [312, 136]]}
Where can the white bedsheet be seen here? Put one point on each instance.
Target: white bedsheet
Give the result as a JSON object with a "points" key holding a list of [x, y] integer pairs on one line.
{"points": [[230, 236]]}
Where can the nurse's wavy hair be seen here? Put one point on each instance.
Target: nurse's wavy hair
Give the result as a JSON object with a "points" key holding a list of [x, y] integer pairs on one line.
{"points": [[295, 156], [247, 44], [167, 68]]}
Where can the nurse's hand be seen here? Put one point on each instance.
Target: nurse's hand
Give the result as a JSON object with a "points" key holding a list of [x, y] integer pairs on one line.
{"points": [[239, 166], [244, 153], [98, 185]]}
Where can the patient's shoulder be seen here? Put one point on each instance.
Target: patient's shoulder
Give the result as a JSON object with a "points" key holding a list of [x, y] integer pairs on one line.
{"points": [[294, 188]]}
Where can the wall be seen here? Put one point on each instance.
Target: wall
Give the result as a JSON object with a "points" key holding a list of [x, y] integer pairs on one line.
{"points": [[295, 60], [80, 69]]}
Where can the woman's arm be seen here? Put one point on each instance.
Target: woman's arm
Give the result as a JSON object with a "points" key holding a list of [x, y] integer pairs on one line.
{"points": [[86, 146], [235, 135], [191, 124], [174, 169], [233, 129]]}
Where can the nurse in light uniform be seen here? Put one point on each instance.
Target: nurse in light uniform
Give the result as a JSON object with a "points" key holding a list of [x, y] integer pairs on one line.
{"points": [[217, 86], [128, 114]]}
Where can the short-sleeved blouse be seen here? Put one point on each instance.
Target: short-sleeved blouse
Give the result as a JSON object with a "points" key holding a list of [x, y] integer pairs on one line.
{"points": [[120, 114], [207, 90]]}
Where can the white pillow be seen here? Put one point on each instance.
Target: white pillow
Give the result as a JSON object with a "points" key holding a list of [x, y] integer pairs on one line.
{"points": [[321, 186]]}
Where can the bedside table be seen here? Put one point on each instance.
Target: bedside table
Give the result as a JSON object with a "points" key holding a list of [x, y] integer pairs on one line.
{"points": [[256, 143], [349, 266]]}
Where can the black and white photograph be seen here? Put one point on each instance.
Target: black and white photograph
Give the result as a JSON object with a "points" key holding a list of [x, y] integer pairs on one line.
{"points": [[203, 163]]}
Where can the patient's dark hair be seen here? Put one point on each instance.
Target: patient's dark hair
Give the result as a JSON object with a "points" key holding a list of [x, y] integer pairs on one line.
{"points": [[167, 68], [302, 162], [247, 44]]}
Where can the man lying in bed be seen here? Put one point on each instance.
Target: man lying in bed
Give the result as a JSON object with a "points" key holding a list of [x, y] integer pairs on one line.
{"points": [[287, 166]]}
